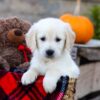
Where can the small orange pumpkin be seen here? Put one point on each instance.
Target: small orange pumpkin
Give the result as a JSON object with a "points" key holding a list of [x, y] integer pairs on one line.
{"points": [[81, 25]]}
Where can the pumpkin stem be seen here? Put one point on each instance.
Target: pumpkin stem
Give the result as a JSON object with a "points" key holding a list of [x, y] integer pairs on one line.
{"points": [[77, 9]]}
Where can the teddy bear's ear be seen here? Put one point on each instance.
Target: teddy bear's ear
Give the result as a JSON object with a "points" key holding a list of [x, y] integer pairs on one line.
{"points": [[16, 36]]}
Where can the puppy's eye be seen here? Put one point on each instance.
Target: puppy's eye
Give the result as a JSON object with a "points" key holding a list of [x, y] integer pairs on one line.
{"points": [[43, 38], [58, 39]]}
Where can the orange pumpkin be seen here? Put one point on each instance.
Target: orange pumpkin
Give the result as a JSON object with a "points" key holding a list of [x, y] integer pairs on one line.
{"points": [[81, 25]]}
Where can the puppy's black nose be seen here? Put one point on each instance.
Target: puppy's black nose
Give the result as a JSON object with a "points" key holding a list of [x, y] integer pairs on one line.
{"points": [[49, 53]]}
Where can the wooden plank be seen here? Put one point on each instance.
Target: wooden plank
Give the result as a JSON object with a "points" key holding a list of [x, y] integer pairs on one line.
{"points": [[90, 50], [91, 54], [96, 81], [91, 44], [84, 83], [89, 79]]}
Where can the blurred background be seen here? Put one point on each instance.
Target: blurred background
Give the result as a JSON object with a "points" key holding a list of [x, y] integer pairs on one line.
{"points": [[35, 9], [88, 56]]}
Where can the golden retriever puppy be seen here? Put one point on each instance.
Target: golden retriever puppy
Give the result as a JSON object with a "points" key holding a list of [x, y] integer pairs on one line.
{"points": [[50, 41]]}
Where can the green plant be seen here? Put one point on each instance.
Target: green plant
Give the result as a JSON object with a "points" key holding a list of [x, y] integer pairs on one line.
{"points": [[95, 17]]}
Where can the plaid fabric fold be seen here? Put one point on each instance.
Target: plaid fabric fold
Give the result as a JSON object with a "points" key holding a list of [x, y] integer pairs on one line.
{"points": [[12, 89]]}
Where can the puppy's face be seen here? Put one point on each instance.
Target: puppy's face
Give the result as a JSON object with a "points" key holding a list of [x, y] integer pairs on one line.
{"points": [[50, 37], [50, 43]]}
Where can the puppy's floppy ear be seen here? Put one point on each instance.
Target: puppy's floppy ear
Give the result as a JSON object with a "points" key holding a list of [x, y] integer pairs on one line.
{"points": [[70, 37], [31, 38]]}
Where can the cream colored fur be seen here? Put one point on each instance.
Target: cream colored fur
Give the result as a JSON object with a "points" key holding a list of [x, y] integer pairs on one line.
{"points": [[61, 64]]}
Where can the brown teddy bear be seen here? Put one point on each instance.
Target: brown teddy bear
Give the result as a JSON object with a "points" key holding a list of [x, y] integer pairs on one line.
{"points": [[13, 50]]}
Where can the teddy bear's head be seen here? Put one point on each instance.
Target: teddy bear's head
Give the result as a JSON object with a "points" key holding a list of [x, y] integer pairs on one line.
{"points": [[12, 35], [16, 36]]}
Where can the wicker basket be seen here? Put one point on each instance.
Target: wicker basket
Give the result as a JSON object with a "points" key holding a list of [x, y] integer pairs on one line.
{"points": [[70, 91]]}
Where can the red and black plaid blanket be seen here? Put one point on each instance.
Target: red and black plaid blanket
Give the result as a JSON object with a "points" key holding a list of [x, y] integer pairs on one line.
{"points": [[12, 89]]}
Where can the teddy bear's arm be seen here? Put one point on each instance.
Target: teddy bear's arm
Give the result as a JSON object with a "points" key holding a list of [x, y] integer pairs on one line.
{"points": [[4, 64]]}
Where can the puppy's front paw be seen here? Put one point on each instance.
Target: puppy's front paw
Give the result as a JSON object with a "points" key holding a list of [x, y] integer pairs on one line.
{"points": [[28, 78], [49, 85]]}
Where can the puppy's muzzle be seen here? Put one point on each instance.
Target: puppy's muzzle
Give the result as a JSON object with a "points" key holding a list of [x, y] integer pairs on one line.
{"points": [[50, 53]]}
